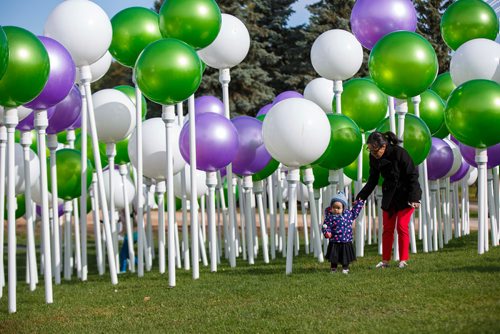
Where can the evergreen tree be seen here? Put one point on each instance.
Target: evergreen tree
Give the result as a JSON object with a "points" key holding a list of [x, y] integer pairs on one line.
{"points": [[429, 14]]}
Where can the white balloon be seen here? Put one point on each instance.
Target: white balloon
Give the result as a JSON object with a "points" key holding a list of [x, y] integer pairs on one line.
{"points": [[82, 27], [476, 59], [118, 189], [347, 180], [336, 55], [22, 113], [98, 69], [114, 115], [230, 47], [472, 177], [457, 158], [320, 91], [34, 163], [36, 195], [296, 132], [303, 188], [154, 149], [201, 183]]}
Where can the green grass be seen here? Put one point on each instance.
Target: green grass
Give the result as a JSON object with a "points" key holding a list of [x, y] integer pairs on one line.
{"points": [[453, 291]]}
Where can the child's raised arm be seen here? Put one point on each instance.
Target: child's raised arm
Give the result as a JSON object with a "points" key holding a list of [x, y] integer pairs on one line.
{"points": [[356, 209]]}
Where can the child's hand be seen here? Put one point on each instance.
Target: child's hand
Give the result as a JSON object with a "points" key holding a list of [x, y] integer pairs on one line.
{"points": [[328, 235]]}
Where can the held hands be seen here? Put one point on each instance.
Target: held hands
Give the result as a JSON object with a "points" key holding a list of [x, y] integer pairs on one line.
{"points": [[414, 204]]}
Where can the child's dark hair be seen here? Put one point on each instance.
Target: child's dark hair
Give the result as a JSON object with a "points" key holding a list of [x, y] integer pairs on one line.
{"points": [[379, 139]]}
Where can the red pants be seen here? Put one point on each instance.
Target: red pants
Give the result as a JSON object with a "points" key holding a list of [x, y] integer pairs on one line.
{"points": [[403, 220]]}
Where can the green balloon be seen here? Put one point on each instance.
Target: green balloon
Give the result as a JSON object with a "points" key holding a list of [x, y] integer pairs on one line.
{"points": [[403, 64], [473, 113], [90, 155], [431, 110], [27, 69], [130, 92], [363, 102], [62, 137], [122, 157], [320, 176], [20, 209], [196, 22], [4, 52], [443, 85], [69, 169], [270, 168], [345, 143], [134, 28], [261, 117], [168, 71], [352, 169], [442, 133], [468, 19], [417, 137]]}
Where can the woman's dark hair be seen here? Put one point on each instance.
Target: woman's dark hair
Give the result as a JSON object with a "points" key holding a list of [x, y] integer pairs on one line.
{"points": [[379, 139]]}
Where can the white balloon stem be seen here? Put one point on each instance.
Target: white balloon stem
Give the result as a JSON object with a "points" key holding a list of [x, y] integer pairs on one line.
{"points": [[41, 122], [11, 120], [140, 199], [130, 233], [86, 76], [247, 188], [361, 221], [97, 225], [194, 198], [168, 116], [211, 184], [308, 179], [111, 153], [67, 240], [70, 138], [337, 90], [3, 147], [392, 115], [83, 198], [56, 242], [160, 192], [293, 178], [481, 160], [185, 236], [271, 203], [259, 188]]}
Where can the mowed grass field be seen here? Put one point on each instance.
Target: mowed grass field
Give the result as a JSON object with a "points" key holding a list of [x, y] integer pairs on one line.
{"points": [[450, 291]]}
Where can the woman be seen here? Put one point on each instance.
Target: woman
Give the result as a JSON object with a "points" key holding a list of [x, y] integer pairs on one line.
{"points": [[400, 191]]}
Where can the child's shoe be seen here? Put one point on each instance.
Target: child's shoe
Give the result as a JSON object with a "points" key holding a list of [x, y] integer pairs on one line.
{"points": [[333, 271], [345, 271]]}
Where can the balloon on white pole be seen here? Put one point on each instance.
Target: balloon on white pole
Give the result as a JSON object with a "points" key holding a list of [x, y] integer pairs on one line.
{"points": [[296, 132], [320, 91]]}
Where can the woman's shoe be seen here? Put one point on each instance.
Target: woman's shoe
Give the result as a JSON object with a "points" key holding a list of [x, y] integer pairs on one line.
{"points": [[382, 265], [402, 264]]}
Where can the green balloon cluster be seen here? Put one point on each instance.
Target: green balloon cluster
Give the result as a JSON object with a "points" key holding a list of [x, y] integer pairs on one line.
{"points": [[416, 139], [403, 64], [69, 169], [168, 71], [465, 20], [443, 85], [196, 22], [134, 28], [122, 157], [345, 143], [472, 113], [351, 171], [431, 110], [27, 68], [4, 52], [270, 168], [442, 133], [130, 92], [363, 102]]}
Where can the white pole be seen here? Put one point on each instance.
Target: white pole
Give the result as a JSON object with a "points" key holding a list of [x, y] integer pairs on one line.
{"points": [[243, 221], [492, 209], [303, 209], [211, 184], [67, 240], [70, 137], [185, 236], [56, 260], [481, 160], [271, 200], [496, 193], [222, 199], [111, 153], [3, 146], [308, 180], [86, 76], [361, 221], [130, 234], [139, 179], [380, 218], [259, 187], [247, 187], [26, 142], [203, 221], [83, 198], [224, 79], [11, 121], [97, 225], [194, 197], [458, 226], [160, 193], [392, 114], [282, 239], [149, 241], [439, 218], [292, 178]]}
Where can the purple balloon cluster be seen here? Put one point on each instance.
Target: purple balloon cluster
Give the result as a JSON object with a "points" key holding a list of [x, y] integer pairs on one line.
{"points": [[469, 154], [439, 160]]}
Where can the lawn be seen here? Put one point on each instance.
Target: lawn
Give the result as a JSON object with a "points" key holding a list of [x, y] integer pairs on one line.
{"points": [[452, 291]]}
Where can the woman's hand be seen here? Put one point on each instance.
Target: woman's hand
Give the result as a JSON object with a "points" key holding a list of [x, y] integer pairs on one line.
{"points": [[414, 204]]}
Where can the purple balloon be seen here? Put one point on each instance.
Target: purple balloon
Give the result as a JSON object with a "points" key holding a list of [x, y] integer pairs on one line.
{"points": [[469, 154], [61, 76], [439, 160], [60, 209], [264, 109], [252, 154], [76, 124], [371, 20], [65, 112], [287, 95], [28, 123], [461, 172], [208, 103], [216, 141]]}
